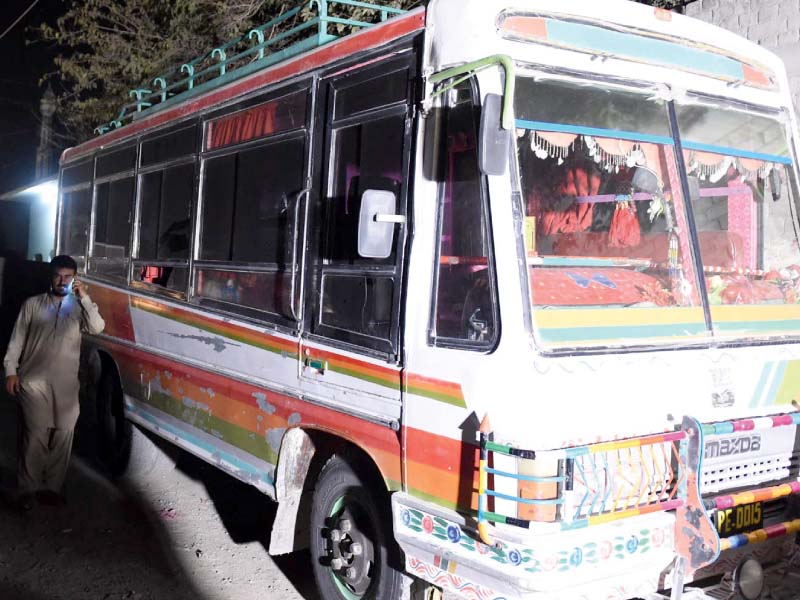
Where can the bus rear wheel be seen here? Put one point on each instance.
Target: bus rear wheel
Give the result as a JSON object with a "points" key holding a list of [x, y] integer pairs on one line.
{"points": [[352, 548]]}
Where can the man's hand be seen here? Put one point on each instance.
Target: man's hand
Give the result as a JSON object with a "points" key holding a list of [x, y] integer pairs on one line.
{"points": [[12, 385], [78, 288]]}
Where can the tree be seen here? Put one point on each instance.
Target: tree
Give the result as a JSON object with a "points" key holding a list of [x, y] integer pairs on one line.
{"points": [[108, 47]]}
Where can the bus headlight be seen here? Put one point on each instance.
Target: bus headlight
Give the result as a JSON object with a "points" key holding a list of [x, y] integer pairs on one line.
{"points": [[538, 482]]}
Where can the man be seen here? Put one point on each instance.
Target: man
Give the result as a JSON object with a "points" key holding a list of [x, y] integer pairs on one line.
{"points": [[41, 367]]}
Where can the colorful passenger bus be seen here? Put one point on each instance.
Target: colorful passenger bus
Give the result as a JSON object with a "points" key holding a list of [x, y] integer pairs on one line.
{"points": [[498, 297]]}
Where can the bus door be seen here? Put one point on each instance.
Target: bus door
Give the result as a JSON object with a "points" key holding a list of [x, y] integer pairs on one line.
{"points": [[350, 351]]}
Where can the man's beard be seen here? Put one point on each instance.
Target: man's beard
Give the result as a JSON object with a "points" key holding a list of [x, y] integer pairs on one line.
{"points": [[60, 292]]}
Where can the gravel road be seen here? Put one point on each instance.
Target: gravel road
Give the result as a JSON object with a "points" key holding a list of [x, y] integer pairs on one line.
{"points": [[189, 532]]}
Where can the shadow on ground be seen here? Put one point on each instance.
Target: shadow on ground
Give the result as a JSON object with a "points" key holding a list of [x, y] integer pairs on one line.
{"points": [[110, 541]]}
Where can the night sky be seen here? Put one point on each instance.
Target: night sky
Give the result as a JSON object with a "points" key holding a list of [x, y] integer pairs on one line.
{"points": [[22, 65]]}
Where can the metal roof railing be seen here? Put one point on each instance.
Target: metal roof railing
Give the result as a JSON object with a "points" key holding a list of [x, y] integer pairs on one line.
{"points": [[268, 44]]}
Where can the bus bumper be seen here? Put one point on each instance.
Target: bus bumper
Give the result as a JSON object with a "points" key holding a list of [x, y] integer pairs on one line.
{"points": [[629, 558]]}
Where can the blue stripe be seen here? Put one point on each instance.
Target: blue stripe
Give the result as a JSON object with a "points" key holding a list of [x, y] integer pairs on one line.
{"points": [[595, 131], [762, 382], [777, 380], [654, 51], [199, 443], [736, 152], [586, 334], [532, 478]]}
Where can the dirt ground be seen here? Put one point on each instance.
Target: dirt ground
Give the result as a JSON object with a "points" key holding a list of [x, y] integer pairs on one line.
{"points": [[188, 532]]}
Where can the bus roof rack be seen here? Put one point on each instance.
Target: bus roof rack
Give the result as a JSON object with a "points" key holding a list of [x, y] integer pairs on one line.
{"points": [[297, 30]]}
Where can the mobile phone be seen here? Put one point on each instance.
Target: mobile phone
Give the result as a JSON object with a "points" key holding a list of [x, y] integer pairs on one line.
{"points": [[69, 286]]}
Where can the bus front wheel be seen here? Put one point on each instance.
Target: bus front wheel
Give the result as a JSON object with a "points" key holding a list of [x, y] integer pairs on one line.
{"points": [[352, 548]]}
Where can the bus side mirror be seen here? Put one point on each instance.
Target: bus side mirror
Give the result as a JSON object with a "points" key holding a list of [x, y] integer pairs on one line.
{"points": [[376, 222], [494, 140]]}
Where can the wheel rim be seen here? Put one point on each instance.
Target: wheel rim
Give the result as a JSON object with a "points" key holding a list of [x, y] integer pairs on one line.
{"points": [[348, 547]]}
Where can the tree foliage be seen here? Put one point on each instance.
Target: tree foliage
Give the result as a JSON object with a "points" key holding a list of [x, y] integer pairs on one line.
{"points": [[108, 47]]}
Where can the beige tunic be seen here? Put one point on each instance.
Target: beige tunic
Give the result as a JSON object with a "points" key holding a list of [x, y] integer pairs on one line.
{"points": [[45, 351]]}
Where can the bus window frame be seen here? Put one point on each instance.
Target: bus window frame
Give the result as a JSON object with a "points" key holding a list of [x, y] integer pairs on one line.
{"points": [[326, 124], [192, 158], [76, 187], [433, 339], [278, 321], [111, 178], [709, 340], [576, 77]]}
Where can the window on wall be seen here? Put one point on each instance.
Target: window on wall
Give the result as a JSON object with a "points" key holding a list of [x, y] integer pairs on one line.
{"points": [[166, 192], [251, 211], [465, 312], [76, 208], [355, 298]]}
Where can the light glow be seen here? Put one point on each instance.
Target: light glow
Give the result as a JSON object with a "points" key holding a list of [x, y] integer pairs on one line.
{"points": [[47, 192]]}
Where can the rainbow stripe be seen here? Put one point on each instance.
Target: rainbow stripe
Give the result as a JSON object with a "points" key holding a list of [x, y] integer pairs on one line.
{"points": [[570, 326], [758, 424], [257, 339], [443, 391], [760, 535], [767, 319], [762, 495]]}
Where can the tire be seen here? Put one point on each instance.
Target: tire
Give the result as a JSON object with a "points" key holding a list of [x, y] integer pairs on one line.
{"points": [[124, 450], [347, 511]]}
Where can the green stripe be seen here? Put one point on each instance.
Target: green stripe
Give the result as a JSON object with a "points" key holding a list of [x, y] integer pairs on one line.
{"points": [[385, 382], [580, 334], [440, 396], [495, 447], [252, 443], [199, 324]]}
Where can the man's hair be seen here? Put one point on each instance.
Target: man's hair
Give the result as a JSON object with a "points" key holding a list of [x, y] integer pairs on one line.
{"points": [[63, 262]]}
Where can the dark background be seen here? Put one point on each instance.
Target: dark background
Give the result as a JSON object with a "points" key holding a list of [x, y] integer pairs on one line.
{"points": [[23, 65]]}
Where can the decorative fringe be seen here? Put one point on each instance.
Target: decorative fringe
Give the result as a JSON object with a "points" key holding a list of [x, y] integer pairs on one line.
{"points": [[714, 173], [544, 149], [612, 162]]}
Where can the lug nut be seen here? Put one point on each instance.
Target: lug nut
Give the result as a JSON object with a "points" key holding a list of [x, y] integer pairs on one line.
{"points": [[335, 535], [350, 573], [336, 564], [345, 526], [356, 549]]}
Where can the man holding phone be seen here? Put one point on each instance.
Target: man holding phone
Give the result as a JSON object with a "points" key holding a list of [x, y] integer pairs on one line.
{"points": [[41, 366]]}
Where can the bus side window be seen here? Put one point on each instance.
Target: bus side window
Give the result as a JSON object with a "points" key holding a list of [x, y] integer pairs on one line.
{"points": [[113, 212], [249, 206], [74, 228], [368, 150], [166, 190], [465, 306]]}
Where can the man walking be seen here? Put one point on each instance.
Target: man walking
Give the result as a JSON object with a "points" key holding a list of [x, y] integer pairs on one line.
{"points": [[41, 367]]}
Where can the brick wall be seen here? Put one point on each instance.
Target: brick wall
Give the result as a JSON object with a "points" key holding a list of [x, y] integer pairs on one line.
{"points": [[774, 24]]}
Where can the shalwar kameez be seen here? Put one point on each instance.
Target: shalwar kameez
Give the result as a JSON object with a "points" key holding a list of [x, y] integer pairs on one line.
{"points": [[44, 352]]}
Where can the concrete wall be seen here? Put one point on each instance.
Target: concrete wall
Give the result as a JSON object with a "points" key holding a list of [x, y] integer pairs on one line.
{"points": [[774, 24]]}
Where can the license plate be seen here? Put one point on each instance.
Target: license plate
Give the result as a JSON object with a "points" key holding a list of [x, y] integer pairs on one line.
{"points": [[739, 519]]}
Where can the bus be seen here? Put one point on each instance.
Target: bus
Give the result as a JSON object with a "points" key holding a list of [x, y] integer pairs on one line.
{"points": [[496, 298]]}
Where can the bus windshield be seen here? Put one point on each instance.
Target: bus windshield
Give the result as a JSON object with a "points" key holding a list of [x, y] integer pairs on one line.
{"points": [[743, 186], [606, 231], [606, 227]]}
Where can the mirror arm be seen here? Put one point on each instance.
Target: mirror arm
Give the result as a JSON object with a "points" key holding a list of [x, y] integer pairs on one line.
{"points": [[388, 218], [471, 68]]}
